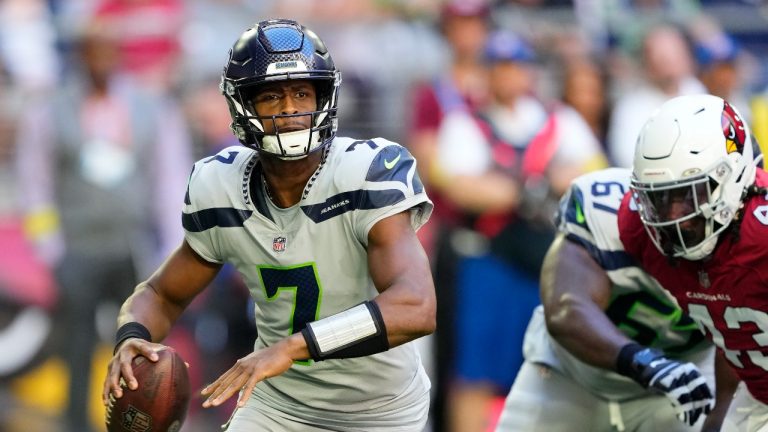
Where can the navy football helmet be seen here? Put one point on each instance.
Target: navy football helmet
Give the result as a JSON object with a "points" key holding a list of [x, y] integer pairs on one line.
{"points": [[273, 51]]}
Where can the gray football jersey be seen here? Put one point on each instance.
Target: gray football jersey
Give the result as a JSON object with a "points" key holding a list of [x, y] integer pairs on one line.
{"points": [[310, 263], [639, 306]]}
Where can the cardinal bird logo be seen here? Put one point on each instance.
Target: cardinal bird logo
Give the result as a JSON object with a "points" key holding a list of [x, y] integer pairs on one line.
{"points": [[733, 129]]}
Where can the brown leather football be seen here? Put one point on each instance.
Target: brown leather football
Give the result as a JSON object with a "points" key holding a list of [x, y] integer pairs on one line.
{"points": [[160, 402]]}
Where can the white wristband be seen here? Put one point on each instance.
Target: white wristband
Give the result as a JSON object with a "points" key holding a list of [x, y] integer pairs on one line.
{"points": [[343, 329]]}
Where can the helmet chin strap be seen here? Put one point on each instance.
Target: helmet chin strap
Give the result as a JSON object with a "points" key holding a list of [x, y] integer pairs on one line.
{"points": [[296, 144], [702, 250]]}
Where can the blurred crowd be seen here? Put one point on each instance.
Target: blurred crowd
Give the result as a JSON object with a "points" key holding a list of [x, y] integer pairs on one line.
{"points": [[105, 104]]}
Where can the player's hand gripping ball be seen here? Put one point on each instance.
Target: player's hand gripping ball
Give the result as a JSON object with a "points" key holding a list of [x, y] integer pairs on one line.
{"points": [[160, 402]]}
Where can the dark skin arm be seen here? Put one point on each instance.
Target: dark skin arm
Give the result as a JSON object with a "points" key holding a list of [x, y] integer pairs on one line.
{"points": [[575, 291], [157, 303], [726, 382], [400, 271]]}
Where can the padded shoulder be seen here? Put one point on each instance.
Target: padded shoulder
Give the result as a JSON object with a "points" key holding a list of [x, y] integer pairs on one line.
{"points": [[220, 180], [372, 179], [371, 164], [590, 196], [588, 214]]}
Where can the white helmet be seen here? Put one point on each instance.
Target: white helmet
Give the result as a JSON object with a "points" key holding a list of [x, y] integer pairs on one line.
{"points": [[693, 164]]}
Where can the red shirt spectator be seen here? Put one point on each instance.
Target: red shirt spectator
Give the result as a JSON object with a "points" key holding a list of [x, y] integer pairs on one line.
{"points": [[147, 32]]}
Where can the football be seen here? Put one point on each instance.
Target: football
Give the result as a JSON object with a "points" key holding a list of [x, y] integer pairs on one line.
{"points": [[160, 402]]}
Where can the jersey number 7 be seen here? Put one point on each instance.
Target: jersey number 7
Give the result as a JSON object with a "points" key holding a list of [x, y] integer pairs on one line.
{"points": [[303, 282]]}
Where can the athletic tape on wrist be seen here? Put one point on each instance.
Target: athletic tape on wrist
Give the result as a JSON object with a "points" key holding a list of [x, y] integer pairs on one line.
{"points": [[626, 357], [131, 330], [354, 326]]}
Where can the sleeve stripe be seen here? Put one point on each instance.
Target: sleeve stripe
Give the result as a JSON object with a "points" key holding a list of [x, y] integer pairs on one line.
{"points": [[608, 260], [571, 209], [360, 199], [214, 217]]}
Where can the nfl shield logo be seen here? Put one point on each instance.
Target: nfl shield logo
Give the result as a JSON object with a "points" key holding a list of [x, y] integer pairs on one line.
{"points": [[278, 244]]}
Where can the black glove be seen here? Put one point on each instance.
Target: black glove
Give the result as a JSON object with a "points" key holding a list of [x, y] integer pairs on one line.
{"points": [[682, 383]]}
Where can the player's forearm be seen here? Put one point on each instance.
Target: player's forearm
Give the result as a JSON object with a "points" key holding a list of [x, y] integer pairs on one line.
{"points": [[575, 291], [359, 331], [586, 332], [148, 308], [295, 346], [159, 301], [407, 313]]}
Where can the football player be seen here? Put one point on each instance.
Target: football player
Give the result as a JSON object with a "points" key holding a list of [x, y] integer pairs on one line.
{"points": [[596, 305], [322, 229], [697, 220]]}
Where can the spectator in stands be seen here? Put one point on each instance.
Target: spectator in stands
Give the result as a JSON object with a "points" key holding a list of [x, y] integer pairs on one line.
{"points": [[147, 32], [577, 123], [719, 60], [89, 157], [462, 86], [668, 72], [584, 88], [28, 44], [481, 169]]}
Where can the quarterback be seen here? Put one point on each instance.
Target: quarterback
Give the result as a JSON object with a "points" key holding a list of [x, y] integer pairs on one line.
{"points": [[322, 229], [697, 220]]}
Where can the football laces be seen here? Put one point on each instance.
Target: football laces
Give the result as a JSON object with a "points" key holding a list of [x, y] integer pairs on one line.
{"points": [[112, 401]]}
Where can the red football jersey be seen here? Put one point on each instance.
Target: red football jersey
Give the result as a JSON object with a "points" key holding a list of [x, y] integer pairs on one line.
{"points": [[726, 294]]}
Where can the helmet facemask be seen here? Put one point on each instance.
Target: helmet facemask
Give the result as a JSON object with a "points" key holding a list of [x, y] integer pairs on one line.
{"points": [[679, 216], [288, 144]]}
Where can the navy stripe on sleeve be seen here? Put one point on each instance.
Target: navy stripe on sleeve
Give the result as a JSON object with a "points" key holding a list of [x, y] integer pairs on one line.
{"points": [[214, 217], [608, 260], [355, 200]]}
